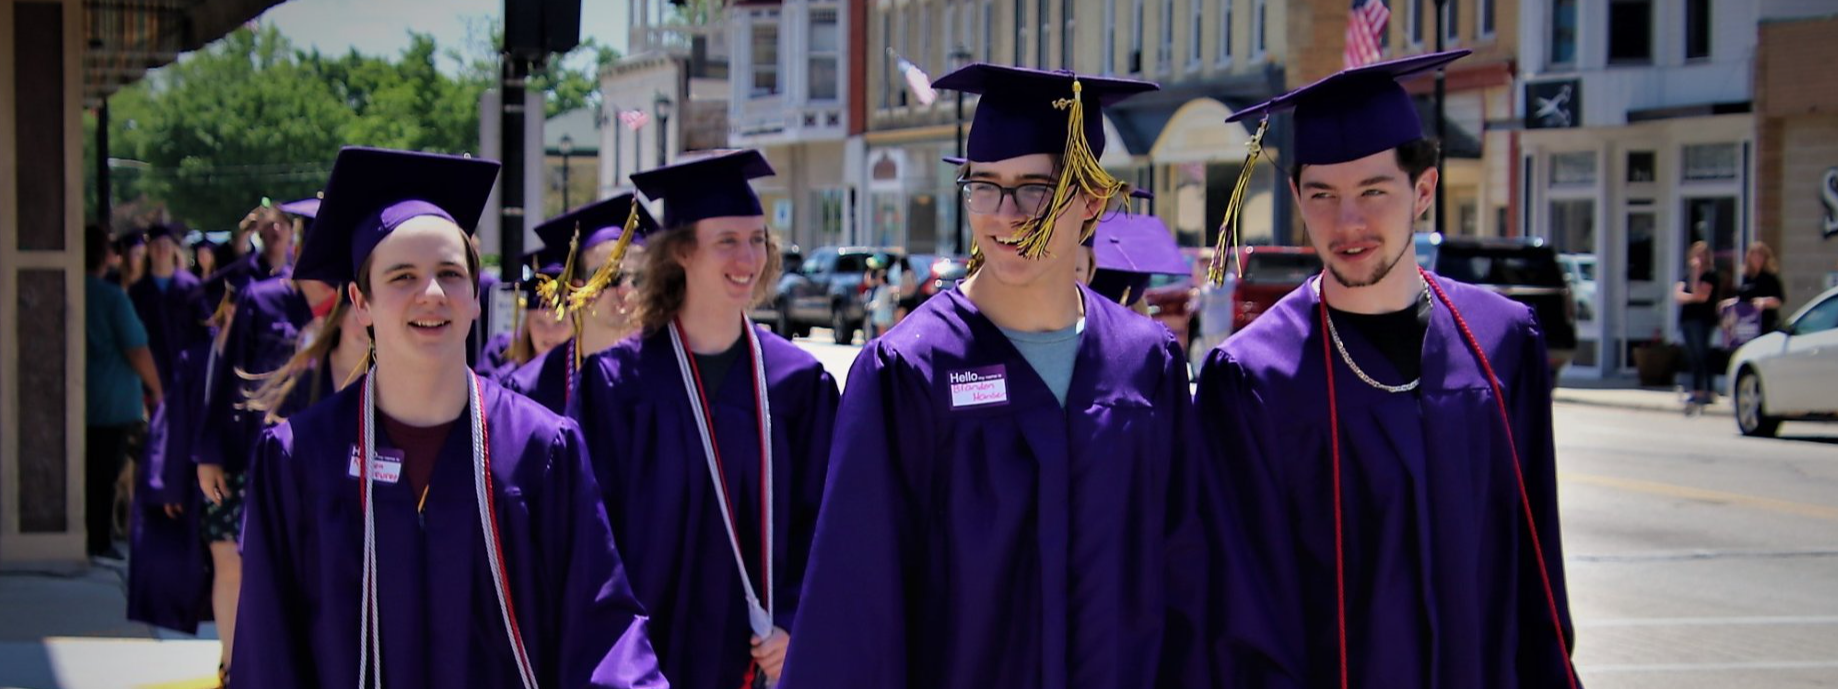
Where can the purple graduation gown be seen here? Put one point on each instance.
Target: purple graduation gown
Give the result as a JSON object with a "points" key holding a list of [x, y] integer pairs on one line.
{"points": [[169, 577], [1441, 584], [646, 451], [492, 361], [545, 378], [263, 335], [1018, 544], [298, 623], [175, 318], [478, 338], [238, 275]]}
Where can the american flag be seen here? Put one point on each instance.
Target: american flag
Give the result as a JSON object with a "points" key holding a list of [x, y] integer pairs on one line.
{"points": [[1365, 32], [634, 119], [917, 80]]}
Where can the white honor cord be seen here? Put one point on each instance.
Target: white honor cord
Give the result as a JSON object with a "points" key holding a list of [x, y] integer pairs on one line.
{"points": [[758, 617], [372, 643]]}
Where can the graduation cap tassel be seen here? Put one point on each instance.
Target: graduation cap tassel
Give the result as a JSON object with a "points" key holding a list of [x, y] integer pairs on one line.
{"points": [[603, 277], [1227, 248], [1080, 169], [555, 292]]}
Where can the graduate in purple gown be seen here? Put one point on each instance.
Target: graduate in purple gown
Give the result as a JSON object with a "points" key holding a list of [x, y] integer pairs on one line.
{"points": [[424, 527], [169, 576], [1014, 499], [1128, 251], [590, 294], [535, 328], [1395, 497], [170, 303], [276, 230], [709, 434]]}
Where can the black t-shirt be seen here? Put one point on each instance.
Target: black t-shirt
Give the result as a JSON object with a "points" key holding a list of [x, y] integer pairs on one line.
{"points": [[714, 367], [1764, 284], [1705, 311], [1397, 335]]}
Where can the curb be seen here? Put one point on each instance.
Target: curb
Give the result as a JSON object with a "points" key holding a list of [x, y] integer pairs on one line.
{"points": [[1671, 407]]}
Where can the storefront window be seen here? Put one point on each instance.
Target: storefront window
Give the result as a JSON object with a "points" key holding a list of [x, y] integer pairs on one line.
{"points": [[1573, 169], [828, 205], [1710, 162], [1573, 226]]}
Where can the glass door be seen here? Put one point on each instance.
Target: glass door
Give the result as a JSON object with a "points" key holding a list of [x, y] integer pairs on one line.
{"points": [[1645, 296]]}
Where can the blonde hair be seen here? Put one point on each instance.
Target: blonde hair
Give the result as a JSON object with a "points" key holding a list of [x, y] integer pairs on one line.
{"points": [[659, 297], [278, 385], [1769, 264]]}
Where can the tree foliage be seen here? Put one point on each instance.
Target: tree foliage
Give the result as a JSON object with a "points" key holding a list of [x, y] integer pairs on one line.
{"points": [[252, 116]]}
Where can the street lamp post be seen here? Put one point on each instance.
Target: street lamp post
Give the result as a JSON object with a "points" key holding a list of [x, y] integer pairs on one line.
{"points": [[661, 108], [567, 146], [959, 57], [1442, 128]]}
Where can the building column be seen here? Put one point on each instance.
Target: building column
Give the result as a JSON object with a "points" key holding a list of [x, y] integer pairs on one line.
{"points": [[41, 283]]}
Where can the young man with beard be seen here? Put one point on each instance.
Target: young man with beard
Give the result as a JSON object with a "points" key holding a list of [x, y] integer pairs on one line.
{"points": [[1384, 436]]}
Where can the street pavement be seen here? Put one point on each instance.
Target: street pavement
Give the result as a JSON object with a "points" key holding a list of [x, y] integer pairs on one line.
{"points": [[1696, 558]]}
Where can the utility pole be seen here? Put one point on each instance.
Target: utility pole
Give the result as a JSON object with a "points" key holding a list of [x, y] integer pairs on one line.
{"points": [[510, 234], [1442, 129], [103, 211]]}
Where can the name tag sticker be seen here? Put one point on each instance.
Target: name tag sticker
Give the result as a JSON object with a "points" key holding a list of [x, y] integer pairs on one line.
{"points": [[979, 387], [386, 469]]}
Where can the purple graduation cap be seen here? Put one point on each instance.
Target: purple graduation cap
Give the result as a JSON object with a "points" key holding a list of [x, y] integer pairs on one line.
{"points": [[1017, 115], [567, 237], [709, 186], [372, 191], [305, 208], [1128, 249], [1356, 112]]}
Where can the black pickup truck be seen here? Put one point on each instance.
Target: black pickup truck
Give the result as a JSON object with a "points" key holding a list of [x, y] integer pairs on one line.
{"points": [[1524, 270]]}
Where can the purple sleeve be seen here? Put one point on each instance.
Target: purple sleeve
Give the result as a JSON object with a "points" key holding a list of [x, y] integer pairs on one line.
{"points": [[1263, 637], [810, 445], [271, 624], [1190, 525], [852, 626], [1541, 660]]}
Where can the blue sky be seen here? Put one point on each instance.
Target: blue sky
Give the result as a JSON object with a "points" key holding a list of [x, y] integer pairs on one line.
{"points": [[380, 27]]}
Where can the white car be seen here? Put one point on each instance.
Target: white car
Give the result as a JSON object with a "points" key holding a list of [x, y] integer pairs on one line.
{"points": [[1790, 374]]}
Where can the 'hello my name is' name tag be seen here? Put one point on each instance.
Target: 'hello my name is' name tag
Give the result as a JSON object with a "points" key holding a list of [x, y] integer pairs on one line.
{"points": [[979, 387], [386, 469]]}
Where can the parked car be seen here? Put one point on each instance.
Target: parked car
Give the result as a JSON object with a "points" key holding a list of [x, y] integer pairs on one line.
{"points": [[1789, 374], [790, 260], [1173, 300], [1522, 269], [1270, 273], [937, 272], [826, 291]]}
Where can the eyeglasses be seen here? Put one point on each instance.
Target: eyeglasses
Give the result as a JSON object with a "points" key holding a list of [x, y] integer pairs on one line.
{"points": [[986, 197]]}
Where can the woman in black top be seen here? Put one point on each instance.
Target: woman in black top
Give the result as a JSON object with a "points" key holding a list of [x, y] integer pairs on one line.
{"points": [[1761, 285], [1697, 316]]}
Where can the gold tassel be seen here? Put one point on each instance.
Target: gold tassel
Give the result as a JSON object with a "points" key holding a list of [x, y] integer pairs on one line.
{"points": [[1228, 227], [603, 277], [1081, 173], [555, 292]]}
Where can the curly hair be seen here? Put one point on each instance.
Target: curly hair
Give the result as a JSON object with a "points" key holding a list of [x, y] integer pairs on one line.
{"points": [[659, 296]]}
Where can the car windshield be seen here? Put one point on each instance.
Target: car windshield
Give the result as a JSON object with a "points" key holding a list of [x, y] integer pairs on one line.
{"points": [[1280, 268], [1489, 266]]}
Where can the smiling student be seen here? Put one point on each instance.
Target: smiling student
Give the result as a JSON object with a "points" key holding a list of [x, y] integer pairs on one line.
{"points": [[1013, 499], [710, 434], [424, 527]]}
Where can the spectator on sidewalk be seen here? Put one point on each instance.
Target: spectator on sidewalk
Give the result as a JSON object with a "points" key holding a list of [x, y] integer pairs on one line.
{"points": [[122, 385]]}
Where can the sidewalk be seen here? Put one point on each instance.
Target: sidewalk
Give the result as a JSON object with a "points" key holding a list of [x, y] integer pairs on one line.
{"points": [[69, 630], [1626, 394]]}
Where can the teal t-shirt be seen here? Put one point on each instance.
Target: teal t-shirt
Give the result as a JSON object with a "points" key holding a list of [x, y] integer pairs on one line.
{"points": [[112, 328], [1052, 354]]}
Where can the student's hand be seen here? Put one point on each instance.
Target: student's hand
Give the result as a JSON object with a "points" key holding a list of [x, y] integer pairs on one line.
{"points": [[770, 653], [211, 480], [173, 510]]}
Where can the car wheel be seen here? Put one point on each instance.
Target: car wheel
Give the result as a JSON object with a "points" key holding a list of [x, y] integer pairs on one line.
{"points": [[1751, 418], [784, 327], [841, 332]]}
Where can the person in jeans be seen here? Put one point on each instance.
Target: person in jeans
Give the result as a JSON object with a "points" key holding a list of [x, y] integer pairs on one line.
{"points": [[119, 364], [1697, 297]]}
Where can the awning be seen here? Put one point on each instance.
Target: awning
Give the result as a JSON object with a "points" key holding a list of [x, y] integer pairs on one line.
{"points": [[1141, 121], [126, 38]]}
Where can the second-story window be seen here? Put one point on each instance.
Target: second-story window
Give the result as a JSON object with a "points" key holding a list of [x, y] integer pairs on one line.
{"points": [[1260, 18], [1109, 38], [1483, 19], [1451, 21], [1630, 31], [1563, 33], [1225, 31], [1045, 36], [1196, 16], [765, 53], [887, 63], [1138, 24], [1065, 34], [989, 29], [1413, 21], [825, 52], [1697, 29], [1164, 52]]}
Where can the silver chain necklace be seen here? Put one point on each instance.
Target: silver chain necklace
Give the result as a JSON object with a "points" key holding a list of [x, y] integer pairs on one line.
{"points": [[1334, 333]]}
